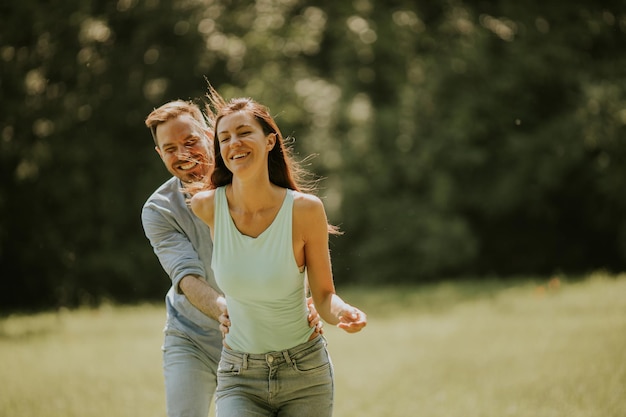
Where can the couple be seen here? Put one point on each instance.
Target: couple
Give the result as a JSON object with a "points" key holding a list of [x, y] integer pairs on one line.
{"points": [[257, 236]]}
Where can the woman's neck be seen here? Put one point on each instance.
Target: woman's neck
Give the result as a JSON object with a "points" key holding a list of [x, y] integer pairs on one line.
{"points": [[253, 196]]}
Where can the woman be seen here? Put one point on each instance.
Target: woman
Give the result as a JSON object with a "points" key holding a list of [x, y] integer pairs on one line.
{"points": [[266, 234]]}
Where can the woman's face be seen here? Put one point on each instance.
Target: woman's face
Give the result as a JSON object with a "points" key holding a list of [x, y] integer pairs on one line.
{"points": [[243, 144]]}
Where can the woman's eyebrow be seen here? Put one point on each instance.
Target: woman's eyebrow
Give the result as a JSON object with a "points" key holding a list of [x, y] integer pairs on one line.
{"points": [[237, 128]]}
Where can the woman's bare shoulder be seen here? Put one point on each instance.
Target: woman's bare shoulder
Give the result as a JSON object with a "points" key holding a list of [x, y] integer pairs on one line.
{"points": [[204, 195], [305, 201], [202, 202], [308, 208]]}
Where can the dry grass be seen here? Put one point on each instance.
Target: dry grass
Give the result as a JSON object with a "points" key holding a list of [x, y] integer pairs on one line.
{"points": [[471, 349]]}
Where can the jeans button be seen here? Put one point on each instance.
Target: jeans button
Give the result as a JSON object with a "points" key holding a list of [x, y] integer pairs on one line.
{"points": [[270, 359]]}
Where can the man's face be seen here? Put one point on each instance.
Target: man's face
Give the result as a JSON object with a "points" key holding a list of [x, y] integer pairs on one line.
{"points": [[184, 147]]}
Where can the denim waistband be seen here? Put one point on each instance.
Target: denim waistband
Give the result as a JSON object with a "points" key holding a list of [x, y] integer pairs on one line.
{"points": [[272, 358]]}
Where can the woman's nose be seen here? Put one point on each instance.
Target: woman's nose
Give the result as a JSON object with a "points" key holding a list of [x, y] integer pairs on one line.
{"points": [[235, 140]]}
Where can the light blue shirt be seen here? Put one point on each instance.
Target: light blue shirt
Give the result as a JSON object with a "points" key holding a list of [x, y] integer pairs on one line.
{"points": [[263, 285], [182, 242]]}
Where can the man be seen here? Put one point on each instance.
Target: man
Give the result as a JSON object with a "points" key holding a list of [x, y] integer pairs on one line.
{"points": [[182, 242], [193, 341]]}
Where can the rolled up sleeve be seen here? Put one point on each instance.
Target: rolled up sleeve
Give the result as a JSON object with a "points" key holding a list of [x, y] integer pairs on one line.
{"points": [[172, 247]]}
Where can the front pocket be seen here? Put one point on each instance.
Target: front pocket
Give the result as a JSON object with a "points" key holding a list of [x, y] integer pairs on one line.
{"points": [[226, 368], [312, 361]]}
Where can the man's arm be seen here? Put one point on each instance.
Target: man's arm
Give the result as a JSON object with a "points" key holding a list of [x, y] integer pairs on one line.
{"points": [[202, 296], [181, 262]]}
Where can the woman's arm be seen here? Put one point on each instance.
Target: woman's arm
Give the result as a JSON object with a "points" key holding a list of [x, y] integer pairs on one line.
{"points": [[310, 219]]}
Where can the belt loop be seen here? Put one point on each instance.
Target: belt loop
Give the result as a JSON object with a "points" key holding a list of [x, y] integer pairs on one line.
{"points": [[287, 358], [244, 365]]}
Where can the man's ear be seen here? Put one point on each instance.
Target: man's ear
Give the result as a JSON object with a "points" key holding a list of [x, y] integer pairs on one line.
{"points": [[158, 150]]}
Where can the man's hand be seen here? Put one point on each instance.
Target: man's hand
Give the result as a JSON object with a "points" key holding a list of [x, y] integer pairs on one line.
{"points": [[224, 319], [314, 317]]}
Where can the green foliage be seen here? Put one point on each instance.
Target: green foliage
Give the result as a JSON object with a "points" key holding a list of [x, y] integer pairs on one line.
{"points": [[490, 157], [455, 137], [78, 163]]}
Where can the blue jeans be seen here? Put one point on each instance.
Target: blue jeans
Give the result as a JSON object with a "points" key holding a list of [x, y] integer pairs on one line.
{"points": [[190, 358], [295, 382]]}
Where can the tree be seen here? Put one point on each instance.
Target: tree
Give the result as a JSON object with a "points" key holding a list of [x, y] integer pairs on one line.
{"points": [[453, 138]]}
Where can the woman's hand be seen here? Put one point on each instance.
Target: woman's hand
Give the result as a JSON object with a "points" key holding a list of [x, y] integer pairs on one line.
{"points": [[351, 319]]}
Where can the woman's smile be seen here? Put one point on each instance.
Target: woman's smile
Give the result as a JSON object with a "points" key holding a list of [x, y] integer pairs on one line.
{"points": [[240, 155]]}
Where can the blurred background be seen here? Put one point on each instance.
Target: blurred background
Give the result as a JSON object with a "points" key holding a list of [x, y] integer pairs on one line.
{"points": [[456, 138]]}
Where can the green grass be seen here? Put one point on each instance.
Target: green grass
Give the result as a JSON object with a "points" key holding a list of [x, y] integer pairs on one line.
{"points": [[531, 349]]}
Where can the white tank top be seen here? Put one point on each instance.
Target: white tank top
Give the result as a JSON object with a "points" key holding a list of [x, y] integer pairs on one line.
{"points": [[263, 285]]}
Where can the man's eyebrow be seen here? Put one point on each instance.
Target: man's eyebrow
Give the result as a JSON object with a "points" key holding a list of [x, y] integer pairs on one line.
{"points": [[189, 136]]}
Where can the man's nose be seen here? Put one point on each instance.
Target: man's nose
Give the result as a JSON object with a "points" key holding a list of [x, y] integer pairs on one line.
{"points": [[182, 151]]}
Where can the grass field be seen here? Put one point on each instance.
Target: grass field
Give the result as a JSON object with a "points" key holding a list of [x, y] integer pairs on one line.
{"points": [[483, 349]]}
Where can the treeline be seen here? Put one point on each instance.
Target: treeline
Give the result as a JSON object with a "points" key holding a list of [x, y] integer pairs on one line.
{"points": [[455, 138]]}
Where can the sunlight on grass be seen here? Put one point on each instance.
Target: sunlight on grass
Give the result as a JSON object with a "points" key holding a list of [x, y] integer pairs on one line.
{"points": [[82, 363], [539, 349], [519, 351]]}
